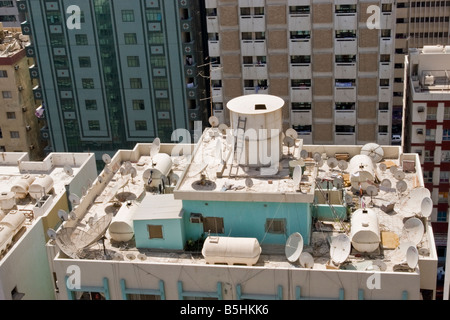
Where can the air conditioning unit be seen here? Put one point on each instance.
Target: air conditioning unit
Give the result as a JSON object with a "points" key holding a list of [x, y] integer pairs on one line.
{"points": [[196, 218], [16, 67], [419, 131], [24, 109], [20, 88], [420, 109], [28, 128]]}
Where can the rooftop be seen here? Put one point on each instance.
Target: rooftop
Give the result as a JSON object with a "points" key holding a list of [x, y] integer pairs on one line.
{"points": [[12, 43]]}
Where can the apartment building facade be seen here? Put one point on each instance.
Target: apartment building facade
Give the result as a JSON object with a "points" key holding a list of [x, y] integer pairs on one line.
{"points": [[10, 15], [322, 57], [126, 74]]}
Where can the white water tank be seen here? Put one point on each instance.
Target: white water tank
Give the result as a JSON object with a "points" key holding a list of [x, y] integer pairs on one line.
{"points": [[231, 250], [7, 200], [361, 169], [8, 228], [21, 186], [261, 112], [121, 227], [161, 166], [41, 186], [365, 231]]}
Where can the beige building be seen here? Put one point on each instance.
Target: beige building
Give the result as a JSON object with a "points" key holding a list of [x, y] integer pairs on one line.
{"points": [[19, 127], [334, 72]]}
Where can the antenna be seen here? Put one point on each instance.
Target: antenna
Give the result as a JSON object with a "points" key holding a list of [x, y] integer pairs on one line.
{"points": [[294, 247], [340, 249], [68, 170], [292, 133], [426, 207], [51, 233], [371, 191], [412, 257], [306, 260], [63, 215], [214, 121], [374, 151], [74, 199], [106, 158], [413, 230]]}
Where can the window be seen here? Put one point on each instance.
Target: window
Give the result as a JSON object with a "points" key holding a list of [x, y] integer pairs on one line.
{"points": [[386, 7], [133, 61], [87, 83], [85, 62], [155, 232], [138, 105], [91, 104], [277, 226], [428, 176], [303, 130], [345, 58], [10, 115], [300, 34], [345, 129], [213, 225], [383, 106], [295, 83], [301, 106], [6, 94], [300, 59], [445, 156], [6, 4], [384, 82], [130, 38], [431, 113], [94, 125], [1, 135], [14, 134], [446, 135], [382, 129], [3, 74], [345, 83], [345, 34], [447, 113], [443, 197], [386, 33], [430, 134], [442, 216], [81, 39], [345, 106], [135, 83], [443, 176], [127, 15], [429, 156], [141, 125]]}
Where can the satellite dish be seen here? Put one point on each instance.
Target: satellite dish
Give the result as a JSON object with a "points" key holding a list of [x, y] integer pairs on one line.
{"points": [[399, 175], [426, 207], [343, 165], [142, 257], [374, 151], [90, 221], [340, 248], [292, 133], [412, 257], [74, 199], [382, 167], [249, 183], [413, 230], [294, 247], [401, 186], [107, 170], [338, 182], [317, 157], [223, 128], [100, 179], [51, 233], [304, 154], [386, 183], [106, 158], [72, 215], [155, 147], [306, 260], [393, 169], [68, 170], [63, 215], [130, 256], [174, 178], [371, 191], [289, 142], [118, 257], [332, 162], [214, 121], [320, 163], [133, 172]]}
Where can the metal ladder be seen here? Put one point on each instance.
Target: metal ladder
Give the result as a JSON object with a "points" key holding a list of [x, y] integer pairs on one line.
{"points": [[238, 144]]}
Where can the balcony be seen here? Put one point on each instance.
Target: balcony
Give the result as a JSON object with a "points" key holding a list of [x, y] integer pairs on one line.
{"points": [[301, 94], [212, 24], [254, 71], [256, 23], [345, 117], [345, 94], [299, 21], [386, 20], [253, 48], [345, 70], [385, 94], [345, 46], [256, 90], [300, 71], [345, 21], [385, 70], [301, 117], [217, 94], [211, 3], [345, 138], [383, 138], [300, 47], [216, 72], [220, 115], [214, 48], [386, 45], [383, 117]]}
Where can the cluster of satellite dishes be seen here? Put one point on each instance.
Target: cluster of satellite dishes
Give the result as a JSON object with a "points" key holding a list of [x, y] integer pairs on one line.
{"points": [[374, 151], [386, 184]]}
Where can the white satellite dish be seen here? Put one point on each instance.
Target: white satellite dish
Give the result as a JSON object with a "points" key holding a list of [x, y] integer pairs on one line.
{"points": [[289, 142], [413, 230], [72, 215], [297, 176], [74, 199], [174, 178], [155, 147], [374, 151], [343, 165], [100, 179], [306, 260], [223, 128], [340, 248], [386, 183], [51, 233], [107, 170], [142, 257], [63, 215], [118, 256], [401, 186], [133, 172], [292, 133], [304, 154], [412, 257], [426, 207], [320, 163], [382, 167], [317, 157], [248, 183], [332, 162], [106, 158], [294, 247], [214, 121], [68, 170], [393, 169], [399, 175]]}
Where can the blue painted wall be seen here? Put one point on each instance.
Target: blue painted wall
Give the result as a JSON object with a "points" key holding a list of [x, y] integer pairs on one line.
{"points": [[173, 234]]}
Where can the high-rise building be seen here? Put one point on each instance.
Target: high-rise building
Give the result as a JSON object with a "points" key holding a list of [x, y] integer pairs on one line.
{"points": [[114, 73], [19, 127], [322, 57], [418, 23], [10, 15]]}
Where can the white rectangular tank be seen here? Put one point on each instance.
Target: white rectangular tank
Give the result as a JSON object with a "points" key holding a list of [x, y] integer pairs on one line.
{"points": [[231, 250]]}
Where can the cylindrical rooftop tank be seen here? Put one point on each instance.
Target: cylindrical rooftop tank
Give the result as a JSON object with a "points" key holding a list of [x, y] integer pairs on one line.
{"points": [[41, 186], [260, 111], [121, 227], [8, 227], [361, 169], [21, 186], [7, 200], [231, 250], [161, 166], [365, 231]]}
